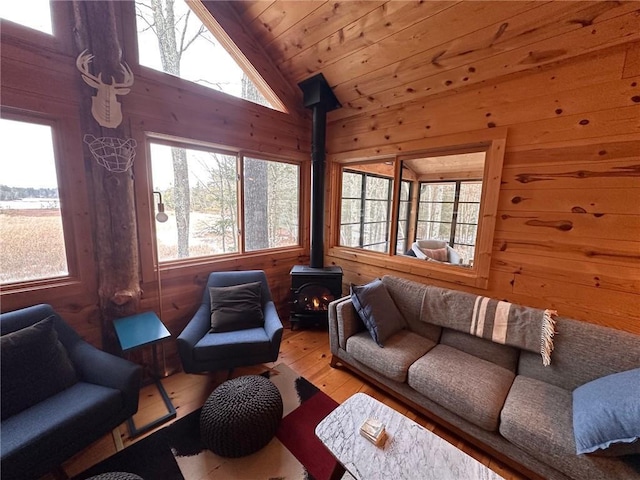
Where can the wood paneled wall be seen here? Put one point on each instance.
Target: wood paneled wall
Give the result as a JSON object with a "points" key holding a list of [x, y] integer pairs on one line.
{"points": [[39, 76], [568, 229]]}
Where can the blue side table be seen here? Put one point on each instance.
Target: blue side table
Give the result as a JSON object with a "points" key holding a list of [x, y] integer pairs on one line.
{"points": [[138, 331]]}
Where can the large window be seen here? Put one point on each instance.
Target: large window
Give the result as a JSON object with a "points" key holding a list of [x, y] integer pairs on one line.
{"points": [[172, 39], [34, 14], [200, 190], [448, 211], [32, 245]]}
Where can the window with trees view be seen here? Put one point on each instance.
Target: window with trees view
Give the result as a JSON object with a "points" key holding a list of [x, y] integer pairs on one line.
{"points": [[32, 245], [172, 39], [366, 211], [203, 206], [34, 14], [448, 211]]}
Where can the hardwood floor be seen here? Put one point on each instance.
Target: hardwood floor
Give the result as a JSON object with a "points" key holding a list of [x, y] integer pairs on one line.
{"points": [[305, 351]]}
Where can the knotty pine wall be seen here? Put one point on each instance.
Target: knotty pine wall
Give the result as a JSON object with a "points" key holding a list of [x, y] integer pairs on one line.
{"points": [[39, 77], [568, 229]]}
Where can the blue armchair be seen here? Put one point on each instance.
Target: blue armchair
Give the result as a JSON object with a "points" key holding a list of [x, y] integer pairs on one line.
{"points": [[103, 393], [201, 351]]}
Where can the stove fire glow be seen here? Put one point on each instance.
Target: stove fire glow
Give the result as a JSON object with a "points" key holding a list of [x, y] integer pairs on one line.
{"points": [[316, 303]]}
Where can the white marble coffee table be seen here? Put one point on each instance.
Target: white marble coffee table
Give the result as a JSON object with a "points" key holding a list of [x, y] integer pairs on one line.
{"points": [[411, 451]]}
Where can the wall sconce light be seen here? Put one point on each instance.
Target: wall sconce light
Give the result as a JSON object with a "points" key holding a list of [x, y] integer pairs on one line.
{"points": [[161, 216]]}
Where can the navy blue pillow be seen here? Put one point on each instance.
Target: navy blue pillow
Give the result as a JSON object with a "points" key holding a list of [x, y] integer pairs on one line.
{"points": [[236, 307], [377, 310], [606, 415], [34, 366]]}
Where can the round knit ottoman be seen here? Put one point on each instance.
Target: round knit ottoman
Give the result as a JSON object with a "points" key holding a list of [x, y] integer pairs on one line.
{"points": [[116, 476], [241, 416]]}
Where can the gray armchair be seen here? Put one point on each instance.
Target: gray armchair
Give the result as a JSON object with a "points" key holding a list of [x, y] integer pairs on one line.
{"points": [[102, 393], [452, 255], [201, 351]]}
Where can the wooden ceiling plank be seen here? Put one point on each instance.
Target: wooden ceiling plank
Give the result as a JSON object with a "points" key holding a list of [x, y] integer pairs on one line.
{"points": [[436, 30], [360, 34], [325, 21], [250, 10], [632, 62], [265, 73], [595, 68], [523, 29], [279, 17], [619, 30]]}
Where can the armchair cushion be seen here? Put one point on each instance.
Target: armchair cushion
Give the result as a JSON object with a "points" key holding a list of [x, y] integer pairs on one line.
{"points": [[236, 307], [34, 366]]}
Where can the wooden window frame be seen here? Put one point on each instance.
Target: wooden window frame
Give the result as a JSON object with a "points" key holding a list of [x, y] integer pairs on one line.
{"points": [[146, 219], [74, 201], [493, 143]]}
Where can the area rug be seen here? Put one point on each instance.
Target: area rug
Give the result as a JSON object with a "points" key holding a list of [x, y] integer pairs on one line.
{"points": [[176, 452]]}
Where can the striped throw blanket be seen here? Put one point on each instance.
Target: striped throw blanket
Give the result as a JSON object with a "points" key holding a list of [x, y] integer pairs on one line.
{"points": [[527, 328]]}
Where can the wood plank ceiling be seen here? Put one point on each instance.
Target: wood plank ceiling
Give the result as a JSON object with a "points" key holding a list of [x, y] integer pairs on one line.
{"points": [[377, 54]]}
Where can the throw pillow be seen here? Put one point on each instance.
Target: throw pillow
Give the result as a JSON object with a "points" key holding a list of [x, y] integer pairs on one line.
{"points": [[377, 310], [34, 366], [236, 307], [438, 254], [606, 415]]}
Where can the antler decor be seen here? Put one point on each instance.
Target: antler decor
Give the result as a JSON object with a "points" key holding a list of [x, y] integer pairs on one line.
{"points": [[104, 104]]}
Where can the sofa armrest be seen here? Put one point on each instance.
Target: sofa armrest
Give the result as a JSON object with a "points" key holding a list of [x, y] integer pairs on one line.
{"points": [[102, 368], [343, 322], [273, 327]]}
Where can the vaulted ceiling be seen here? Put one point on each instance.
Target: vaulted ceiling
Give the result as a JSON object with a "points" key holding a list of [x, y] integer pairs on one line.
{"points": [[377, 54]]}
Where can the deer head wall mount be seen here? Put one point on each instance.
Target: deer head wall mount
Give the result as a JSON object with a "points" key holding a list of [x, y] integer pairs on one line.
{"points": [[105, 107]]}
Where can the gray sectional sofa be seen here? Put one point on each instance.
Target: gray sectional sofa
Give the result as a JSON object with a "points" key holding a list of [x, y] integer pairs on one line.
{"points": [[499, 397]]}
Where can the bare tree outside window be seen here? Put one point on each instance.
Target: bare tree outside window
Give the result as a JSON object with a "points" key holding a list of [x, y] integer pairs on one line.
{"points": [[177, 30]]}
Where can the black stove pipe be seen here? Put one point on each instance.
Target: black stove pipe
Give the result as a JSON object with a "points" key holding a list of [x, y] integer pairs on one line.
{"points": [[319, 134], [319, 97]]}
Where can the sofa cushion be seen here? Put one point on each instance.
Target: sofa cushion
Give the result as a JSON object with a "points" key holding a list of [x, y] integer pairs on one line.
{"points": [[70, 414], [502, 355], [408, 296], [34, 366], [400, 351], [466, 385], [606, 415], [583, 352], [537, 417], [236, 307], [377, 310]]}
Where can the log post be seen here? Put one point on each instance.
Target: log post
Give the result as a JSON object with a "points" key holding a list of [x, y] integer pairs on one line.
{"points": [[112, 196]]}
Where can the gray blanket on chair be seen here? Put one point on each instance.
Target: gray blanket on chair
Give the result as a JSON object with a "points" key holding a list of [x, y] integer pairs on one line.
{"points": [[528, 328]]}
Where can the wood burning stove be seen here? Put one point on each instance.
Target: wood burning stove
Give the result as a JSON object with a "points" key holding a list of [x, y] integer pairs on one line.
{"points": [[315, 286], [312, 289]]}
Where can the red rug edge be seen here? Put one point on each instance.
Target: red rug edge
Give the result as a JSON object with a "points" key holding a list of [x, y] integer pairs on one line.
{"points": [[297, 434]]}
